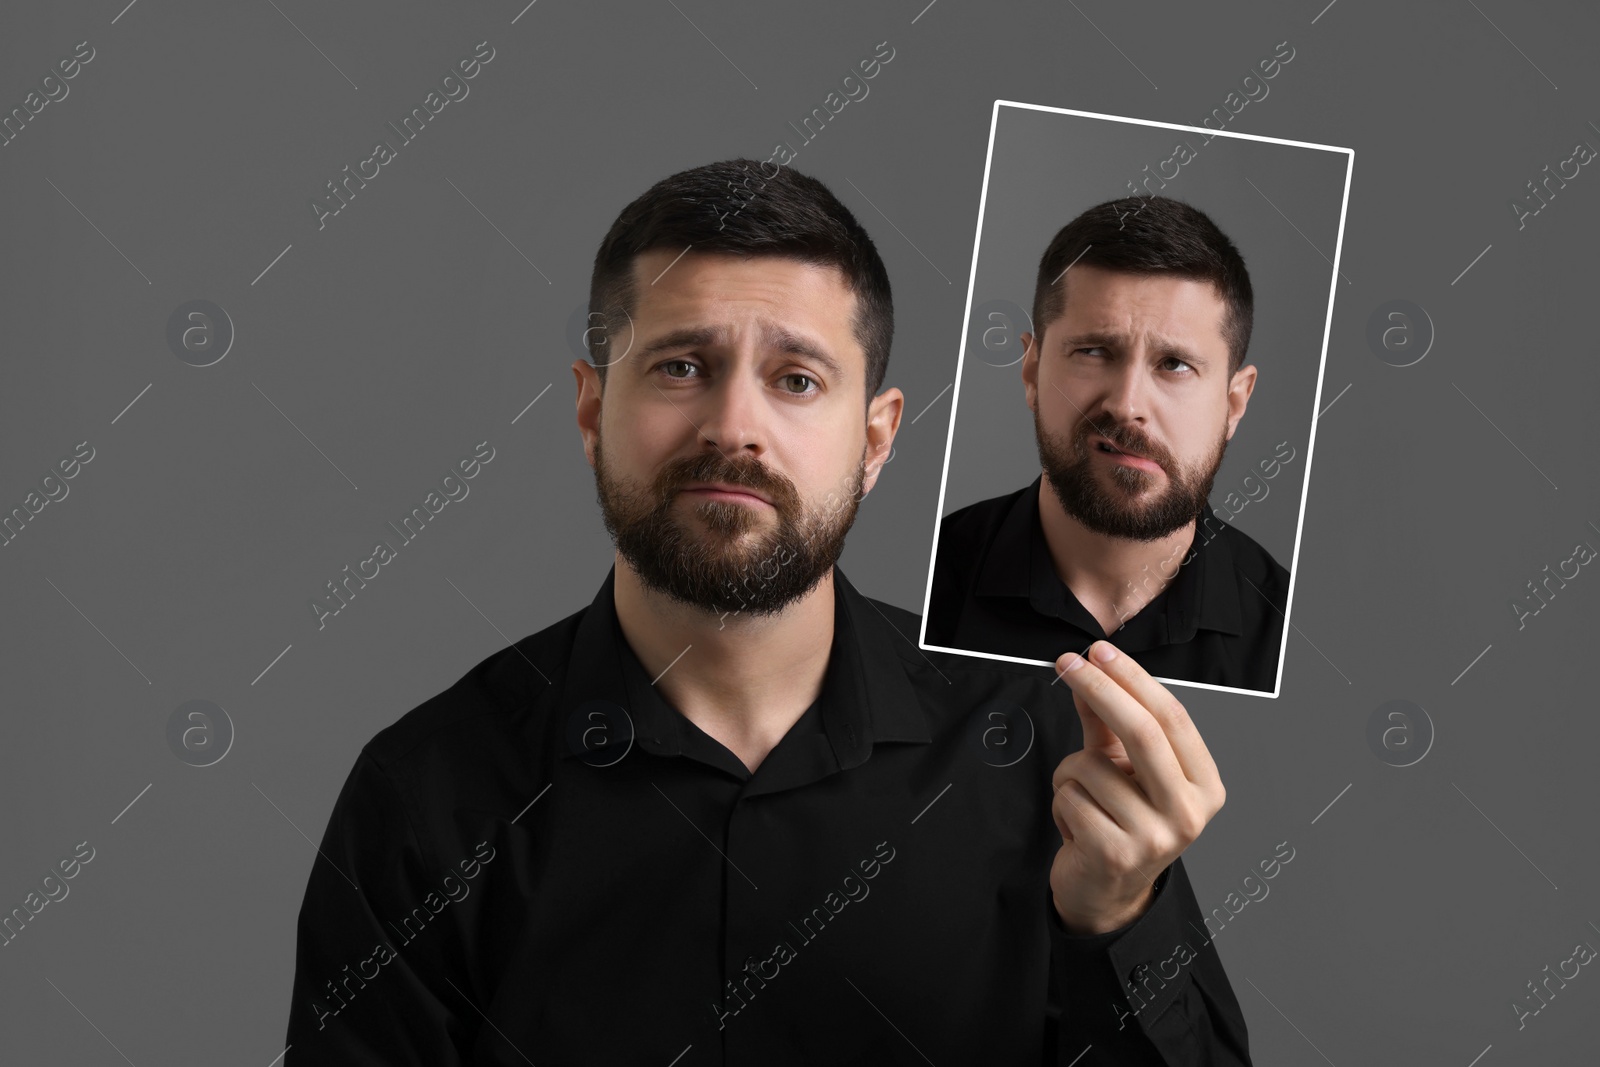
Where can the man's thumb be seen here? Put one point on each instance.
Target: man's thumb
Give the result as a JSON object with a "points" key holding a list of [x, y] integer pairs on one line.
{"points": [[1096, 734]]}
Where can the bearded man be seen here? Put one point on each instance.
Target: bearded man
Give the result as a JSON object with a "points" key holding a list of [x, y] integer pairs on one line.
{"points": [[1136, 382], [728, 812]]}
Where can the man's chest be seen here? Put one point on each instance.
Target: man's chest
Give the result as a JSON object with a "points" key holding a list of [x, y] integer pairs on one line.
{"points": [[915, 892]]}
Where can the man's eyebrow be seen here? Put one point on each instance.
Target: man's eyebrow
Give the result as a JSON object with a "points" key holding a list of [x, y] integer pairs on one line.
{"points": [[784, 341], [1117, 340], [688, 337], [780, 339]]}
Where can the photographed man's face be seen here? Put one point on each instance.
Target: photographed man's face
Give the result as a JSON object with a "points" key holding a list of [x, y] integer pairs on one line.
{"points": [[1132, 401], [744, 372]]}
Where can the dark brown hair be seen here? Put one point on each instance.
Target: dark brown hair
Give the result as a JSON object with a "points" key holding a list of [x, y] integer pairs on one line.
{"points": [[1149, 235], [736, 207]]}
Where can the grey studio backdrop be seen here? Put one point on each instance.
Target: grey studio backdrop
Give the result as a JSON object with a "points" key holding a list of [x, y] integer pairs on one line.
{"points": [[1279, 203], [373, 352]]}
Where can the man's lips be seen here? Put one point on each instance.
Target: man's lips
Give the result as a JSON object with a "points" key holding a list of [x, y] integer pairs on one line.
{"points": [[1116, 454], [723, 491]]}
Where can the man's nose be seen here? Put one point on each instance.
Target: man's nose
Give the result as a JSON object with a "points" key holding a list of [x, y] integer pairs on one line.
{"points": [[731, 415], [1126, 399]]}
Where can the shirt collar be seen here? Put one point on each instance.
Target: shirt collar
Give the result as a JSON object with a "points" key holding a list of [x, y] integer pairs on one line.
{"points": [[1203, 596], [607, 700]]}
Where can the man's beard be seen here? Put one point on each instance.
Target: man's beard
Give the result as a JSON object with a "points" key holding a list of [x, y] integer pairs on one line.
{"points": [[1069, 465], [723, 568]]}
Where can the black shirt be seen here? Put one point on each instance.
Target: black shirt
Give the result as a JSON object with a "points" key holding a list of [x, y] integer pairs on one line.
{"points": [[547, 864], [1218, 621]]}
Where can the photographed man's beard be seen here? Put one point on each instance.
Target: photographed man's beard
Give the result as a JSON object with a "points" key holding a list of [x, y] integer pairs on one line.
{"points": [[1113, 510], [723, 568]]}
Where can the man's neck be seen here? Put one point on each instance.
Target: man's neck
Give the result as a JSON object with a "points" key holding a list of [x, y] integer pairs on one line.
{"points": [[1113, 577], [743, 679]]}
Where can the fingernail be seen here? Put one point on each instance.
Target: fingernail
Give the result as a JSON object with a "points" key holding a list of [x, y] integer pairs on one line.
{"points": [[1073, 662], [1103, 653]]}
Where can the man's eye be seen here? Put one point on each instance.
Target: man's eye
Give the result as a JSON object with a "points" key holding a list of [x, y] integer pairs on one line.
{"points": [[1180, 364], [1096, 349], [676, 363], [802, 378]]}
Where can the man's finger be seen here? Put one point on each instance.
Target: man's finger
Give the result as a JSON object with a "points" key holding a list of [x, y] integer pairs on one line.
{"points": [[1187, 744], [1085, 820], [1097, 736], [1143, 737], [1120, 796], [1095, 831]]}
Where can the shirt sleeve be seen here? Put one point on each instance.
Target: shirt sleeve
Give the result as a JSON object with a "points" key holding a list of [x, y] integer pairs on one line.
{"points": [[364, 995], [1152, 994]]}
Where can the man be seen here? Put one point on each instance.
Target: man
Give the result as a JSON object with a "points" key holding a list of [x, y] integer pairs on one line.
{"points": [[1136, 383], [728, 813]]}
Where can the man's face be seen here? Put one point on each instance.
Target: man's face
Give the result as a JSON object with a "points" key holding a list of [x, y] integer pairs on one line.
{"points": [[1133, 405], [744, 373]]}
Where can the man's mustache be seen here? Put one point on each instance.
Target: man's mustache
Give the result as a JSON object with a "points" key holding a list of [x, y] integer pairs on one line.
{"points": [[714, 468], [1126, 440]]}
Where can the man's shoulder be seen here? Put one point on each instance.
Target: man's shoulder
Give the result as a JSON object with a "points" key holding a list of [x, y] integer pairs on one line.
{"points": [[963, 543], [1253, 562], [976, 522], [478, 712]]}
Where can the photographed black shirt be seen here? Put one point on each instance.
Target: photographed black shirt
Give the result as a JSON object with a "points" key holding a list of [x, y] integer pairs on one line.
{"points": [[1218, 621], [547, 864]]}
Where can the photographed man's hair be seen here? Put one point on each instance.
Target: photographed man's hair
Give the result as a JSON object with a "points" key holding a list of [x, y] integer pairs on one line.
{"points": [[1149, 235], [736, 207]]}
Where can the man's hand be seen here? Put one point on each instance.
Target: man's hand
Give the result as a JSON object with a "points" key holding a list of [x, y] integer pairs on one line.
{"points": [[1137, 794]]}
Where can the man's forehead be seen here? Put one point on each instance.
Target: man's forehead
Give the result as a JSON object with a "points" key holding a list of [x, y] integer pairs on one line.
{"points": [[711, 299], [1161, 307], [679, 271]]}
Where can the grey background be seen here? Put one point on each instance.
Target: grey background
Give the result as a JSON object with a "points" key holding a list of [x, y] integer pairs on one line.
{"points": [[1418, 903], [1279, 204]]}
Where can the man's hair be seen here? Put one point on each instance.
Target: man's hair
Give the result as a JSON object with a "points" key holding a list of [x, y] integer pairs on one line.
{"points": [[734, 207], [1149, 235]]}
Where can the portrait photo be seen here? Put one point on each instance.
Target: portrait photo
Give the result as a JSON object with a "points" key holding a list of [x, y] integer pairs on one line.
{"points": [[1134, 411]]}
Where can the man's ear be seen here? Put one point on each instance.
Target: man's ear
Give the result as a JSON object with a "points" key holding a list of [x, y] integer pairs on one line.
{"points": [[1240, 387], [883, 422], [588, 404], [1030, 369]]}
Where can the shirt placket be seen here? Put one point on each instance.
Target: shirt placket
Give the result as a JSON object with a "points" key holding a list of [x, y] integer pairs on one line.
{"points": [[747, 967]]}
